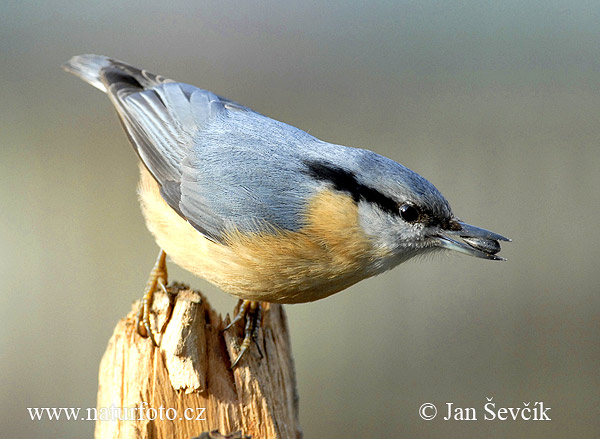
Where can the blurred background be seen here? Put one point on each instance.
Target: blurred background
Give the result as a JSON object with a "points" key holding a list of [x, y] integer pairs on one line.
{"points": [[496, 103]]}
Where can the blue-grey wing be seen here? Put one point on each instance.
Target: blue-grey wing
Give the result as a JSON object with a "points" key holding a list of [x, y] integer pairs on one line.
{"points": [[212, 157], [247, 172], [220, 165]]}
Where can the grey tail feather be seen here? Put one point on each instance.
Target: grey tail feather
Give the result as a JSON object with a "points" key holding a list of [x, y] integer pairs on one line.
{"points": [[100, 71], [88, 68]]}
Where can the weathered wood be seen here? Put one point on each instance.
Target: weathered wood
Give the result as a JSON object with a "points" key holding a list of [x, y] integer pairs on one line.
{"points": [[190, 370]]}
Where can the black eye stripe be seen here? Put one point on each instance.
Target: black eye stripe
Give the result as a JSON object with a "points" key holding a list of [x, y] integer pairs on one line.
{"points": [[345, 181]]}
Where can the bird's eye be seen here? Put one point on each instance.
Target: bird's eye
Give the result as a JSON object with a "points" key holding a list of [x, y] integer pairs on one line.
{"points": [[409, 213]]}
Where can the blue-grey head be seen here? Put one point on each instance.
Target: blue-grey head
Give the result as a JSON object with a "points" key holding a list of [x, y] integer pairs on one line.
{"points": [[403, 214]]}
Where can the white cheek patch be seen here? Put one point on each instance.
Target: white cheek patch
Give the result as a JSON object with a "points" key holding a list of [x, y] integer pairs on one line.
{"points": [[381, 227]]}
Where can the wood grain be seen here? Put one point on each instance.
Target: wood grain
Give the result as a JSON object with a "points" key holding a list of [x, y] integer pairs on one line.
{"points": [[189, 375]]}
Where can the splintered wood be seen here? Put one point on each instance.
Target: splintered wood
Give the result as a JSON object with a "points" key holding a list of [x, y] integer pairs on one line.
{"points": [[184, 388]]}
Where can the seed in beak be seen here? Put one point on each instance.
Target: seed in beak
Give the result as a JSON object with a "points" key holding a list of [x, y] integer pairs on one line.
{"points": [[490, 246]]}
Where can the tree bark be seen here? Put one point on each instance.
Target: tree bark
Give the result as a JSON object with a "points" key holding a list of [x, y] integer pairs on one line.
{"points": [[184, 387]]}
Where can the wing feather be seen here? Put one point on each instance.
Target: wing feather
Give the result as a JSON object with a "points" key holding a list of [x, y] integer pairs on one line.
{"points": [[219, 164]]}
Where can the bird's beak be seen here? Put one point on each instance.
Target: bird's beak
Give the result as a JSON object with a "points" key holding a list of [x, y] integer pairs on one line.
{"points": [[474, 241]]}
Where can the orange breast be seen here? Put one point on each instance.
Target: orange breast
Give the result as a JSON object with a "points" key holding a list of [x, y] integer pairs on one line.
{"points": [[329, 253]]}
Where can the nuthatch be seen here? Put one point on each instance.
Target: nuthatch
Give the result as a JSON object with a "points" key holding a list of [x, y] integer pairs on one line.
{"points": [[261, 209]]}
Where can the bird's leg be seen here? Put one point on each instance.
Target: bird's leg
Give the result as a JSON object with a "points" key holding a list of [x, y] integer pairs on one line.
{"points": [[158, 278], [251, 311]]}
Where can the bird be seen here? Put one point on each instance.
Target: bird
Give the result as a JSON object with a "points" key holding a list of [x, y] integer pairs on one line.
{"points": [[264, 210]]}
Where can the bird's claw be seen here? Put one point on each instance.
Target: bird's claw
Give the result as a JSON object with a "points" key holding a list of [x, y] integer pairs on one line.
{"points": [[158, 278], [251, 311]]}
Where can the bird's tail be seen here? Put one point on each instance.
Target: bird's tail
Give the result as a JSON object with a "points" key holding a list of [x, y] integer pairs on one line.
{"points": [[102, 71], [88, 68]]}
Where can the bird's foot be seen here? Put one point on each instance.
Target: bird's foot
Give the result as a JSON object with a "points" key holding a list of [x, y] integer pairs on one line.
{"points": [[251, 311], [158, 279]]}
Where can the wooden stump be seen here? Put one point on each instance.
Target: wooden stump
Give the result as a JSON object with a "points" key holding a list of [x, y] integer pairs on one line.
{"points": [[184, 387]]}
